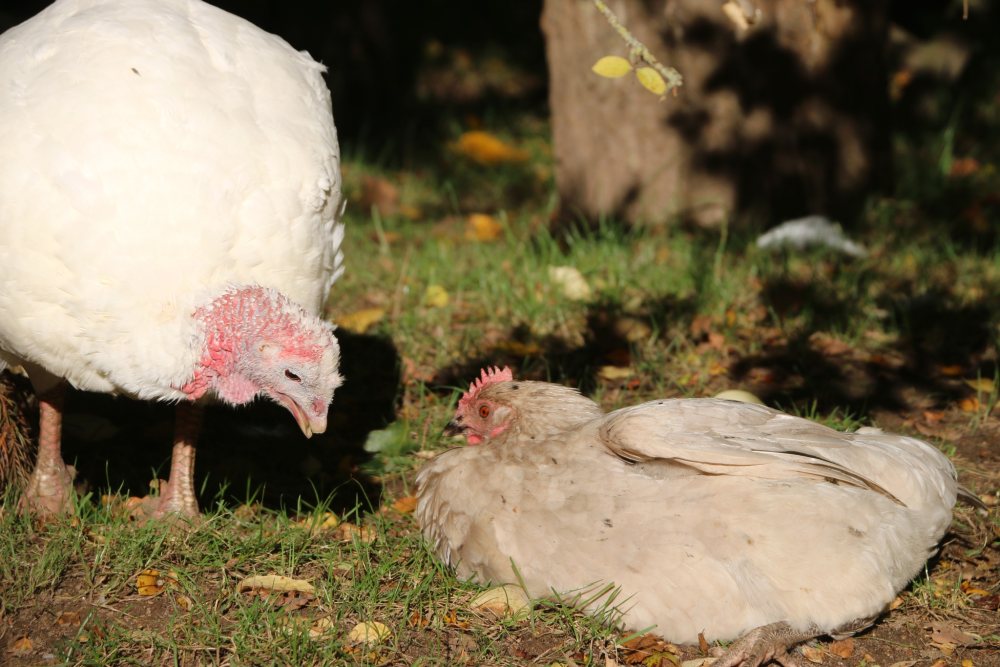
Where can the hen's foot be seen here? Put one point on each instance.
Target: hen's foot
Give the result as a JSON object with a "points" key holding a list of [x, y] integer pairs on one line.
{"points": [[50, 489], [765, 644]]}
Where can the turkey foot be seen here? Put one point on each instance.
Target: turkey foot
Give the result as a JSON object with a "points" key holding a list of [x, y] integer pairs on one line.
{"points": [[177, 496], [50, 488], [765, 644]]}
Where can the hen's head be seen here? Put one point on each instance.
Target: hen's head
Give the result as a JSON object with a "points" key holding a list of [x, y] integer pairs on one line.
{"points": [[496, 408], [258, 342]]}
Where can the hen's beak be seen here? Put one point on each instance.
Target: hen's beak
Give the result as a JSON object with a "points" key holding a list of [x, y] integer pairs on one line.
{"points": [[454, 428]]}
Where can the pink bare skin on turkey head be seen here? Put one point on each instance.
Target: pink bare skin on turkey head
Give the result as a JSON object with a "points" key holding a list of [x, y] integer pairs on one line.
{"points": [[496, 408], [258, 342]]}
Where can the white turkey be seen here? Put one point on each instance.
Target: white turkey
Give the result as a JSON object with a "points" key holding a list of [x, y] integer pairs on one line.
{"points": [[169, 219], [710, 516]]}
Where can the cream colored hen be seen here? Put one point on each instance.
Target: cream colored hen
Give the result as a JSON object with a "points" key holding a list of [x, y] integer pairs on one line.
{"points": [[710, 516]]}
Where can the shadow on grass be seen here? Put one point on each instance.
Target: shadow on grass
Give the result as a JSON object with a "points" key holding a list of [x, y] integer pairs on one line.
{"points": [[255, 453]]}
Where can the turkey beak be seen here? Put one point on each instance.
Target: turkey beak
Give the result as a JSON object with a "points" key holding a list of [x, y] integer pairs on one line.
{"points": [[309, 424]]}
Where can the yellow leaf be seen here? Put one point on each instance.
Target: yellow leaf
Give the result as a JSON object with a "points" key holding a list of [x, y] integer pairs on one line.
{"points": [[508, 600], [320, 627], [405, 505], [482, 227], [613, 373], [651, 80], [361, 321], [436, 296], [982, 385], [969, 404], [612, 67], [275, 582], [486, 149], [150, 582], [369, 632]]}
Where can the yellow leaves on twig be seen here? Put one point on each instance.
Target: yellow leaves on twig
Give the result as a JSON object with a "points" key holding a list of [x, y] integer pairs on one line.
{"points": [[614, 67], [486, 149]]}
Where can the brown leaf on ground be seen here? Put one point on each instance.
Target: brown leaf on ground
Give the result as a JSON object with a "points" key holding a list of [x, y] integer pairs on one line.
{"points": [[945, 633], [702, 643], [970, 404], [842, 648], [649, 650], [68, 618], [22, 646], [828, 345], [964, 166], [368, 633]]}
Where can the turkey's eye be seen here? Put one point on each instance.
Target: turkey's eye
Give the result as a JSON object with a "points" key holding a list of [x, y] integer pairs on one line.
{"points": [[292, 376], [484, 411]]}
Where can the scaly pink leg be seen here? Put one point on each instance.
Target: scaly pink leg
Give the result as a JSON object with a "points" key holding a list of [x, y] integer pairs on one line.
{"points": [[765, 644], [177, 494], [50, 488]]}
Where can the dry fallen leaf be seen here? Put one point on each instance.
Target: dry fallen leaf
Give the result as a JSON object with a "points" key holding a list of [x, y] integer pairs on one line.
{"points": [[486, 149], [950, 370], [982, 385], [320, 627], [945, 633], [904, 663], [502, 601], [970, 404], [842, 648], [22, 646], [813, 654], [361, 321], [574, 286], [68, 618], [482, 227], [151, 582], [369, 632], [436, 296], [348, 531], [405, 505], [275, 582], [614, 373]]}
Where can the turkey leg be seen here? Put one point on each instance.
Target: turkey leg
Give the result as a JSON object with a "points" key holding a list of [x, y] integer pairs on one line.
{"points": [[50, 488], [177, 494]]}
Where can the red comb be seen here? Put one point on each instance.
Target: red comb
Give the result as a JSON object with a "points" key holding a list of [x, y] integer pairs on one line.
{"points": [[487, 377]]}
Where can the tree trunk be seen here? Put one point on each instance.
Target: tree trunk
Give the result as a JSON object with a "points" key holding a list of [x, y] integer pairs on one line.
{"points": [[786, 118]]}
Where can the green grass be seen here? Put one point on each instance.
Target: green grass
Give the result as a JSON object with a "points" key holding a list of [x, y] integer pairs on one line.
{"points": [[680, 312]]}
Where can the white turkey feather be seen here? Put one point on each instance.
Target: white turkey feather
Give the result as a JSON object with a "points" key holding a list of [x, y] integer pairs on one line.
{"points": [[155, 152]]}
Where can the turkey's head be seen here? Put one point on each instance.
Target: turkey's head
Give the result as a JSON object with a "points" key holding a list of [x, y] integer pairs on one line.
{"points": [[258, 342], [496, 408]]}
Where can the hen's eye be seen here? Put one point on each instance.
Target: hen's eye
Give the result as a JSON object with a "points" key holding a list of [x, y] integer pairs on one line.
{"points": [[484, 411], [292, 376]]}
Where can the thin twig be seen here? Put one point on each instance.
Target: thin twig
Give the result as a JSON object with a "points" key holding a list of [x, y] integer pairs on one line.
{"points": [[638, 50]]}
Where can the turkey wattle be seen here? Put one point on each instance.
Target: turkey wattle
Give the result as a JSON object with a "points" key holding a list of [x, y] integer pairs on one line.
{"points": [[711, 516], [169, 218]]}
